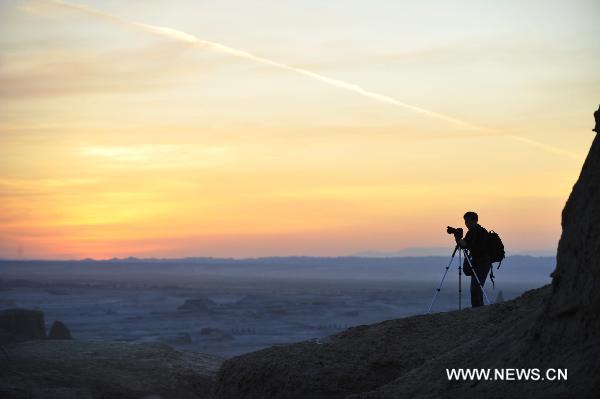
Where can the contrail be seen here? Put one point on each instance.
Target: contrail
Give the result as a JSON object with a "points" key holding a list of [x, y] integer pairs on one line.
{"points": [[184, 37], [193, 40], [545, 147]]}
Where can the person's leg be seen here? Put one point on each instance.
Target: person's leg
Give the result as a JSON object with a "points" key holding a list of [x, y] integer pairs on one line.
{"points": [[482, 272], [476, 294]]}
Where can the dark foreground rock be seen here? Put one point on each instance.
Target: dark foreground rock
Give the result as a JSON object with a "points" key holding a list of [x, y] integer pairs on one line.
{"points": [[555, 327], [21, 324], [72, 369]]}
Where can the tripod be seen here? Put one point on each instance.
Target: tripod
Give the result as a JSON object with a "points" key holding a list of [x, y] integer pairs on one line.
{"points": [[461, 252]]}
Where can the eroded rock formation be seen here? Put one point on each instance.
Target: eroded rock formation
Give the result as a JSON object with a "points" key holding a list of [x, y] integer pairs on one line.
{"points": [[22, 324], [59, 331]]}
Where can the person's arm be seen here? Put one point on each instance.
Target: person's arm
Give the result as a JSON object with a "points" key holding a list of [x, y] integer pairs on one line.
{"points": [[463, 242]]}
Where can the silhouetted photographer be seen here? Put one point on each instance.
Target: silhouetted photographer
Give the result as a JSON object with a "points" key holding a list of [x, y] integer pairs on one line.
{"points": [[476, 241]]}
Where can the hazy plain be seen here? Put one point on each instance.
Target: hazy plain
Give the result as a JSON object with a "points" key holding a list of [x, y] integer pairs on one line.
{"points": [[229, 307]]}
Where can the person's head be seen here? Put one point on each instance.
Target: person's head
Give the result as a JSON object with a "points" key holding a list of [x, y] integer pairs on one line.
{"points": [[471, 219]]}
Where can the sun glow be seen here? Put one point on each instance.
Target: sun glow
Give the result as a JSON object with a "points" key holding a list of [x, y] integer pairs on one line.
{"points": [[129, 130]]}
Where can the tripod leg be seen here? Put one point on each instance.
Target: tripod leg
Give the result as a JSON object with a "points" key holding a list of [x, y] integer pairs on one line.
{"points": [[437, 291], [460, 280], [477, 278]]}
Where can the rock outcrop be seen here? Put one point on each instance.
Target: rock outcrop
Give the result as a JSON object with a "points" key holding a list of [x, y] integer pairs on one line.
{"points": [[21, 324], [196, 305], [552, 327], [215, 334], [59, 331], [574, 308]]}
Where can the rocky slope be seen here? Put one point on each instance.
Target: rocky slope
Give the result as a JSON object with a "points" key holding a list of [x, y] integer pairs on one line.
{"points": [[556, 326], [74, 369], [367, 357]]}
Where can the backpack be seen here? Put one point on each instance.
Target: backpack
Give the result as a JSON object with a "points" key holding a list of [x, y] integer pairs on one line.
{"points": [[497, 254], [496, 248]]}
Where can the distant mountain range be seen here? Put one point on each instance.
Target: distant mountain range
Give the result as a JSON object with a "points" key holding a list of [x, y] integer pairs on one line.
{"points": [[440, 251], [424, 252]]}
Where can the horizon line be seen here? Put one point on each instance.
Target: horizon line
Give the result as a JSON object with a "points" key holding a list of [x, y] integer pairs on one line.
{"points": [[135, 258]]}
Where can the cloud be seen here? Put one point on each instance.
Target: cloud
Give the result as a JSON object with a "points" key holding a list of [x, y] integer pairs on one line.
{"points": [[59, 73], [46, 182], [183, 37], [466, 51], [545, 147], [191, 40], [158, 156], [129, 154]]}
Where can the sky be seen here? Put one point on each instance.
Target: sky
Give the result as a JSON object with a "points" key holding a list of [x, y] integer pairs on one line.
{"points": [[269, 128]]}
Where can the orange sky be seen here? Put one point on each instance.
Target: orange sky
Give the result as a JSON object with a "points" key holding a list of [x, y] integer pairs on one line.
{"points": [[268, 130]]}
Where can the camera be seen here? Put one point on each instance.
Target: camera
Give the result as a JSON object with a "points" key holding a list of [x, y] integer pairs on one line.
{"points": [[457, 231]]}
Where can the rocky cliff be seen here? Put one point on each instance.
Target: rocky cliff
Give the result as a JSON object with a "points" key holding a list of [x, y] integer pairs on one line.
{"points": [[556, 326]]}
